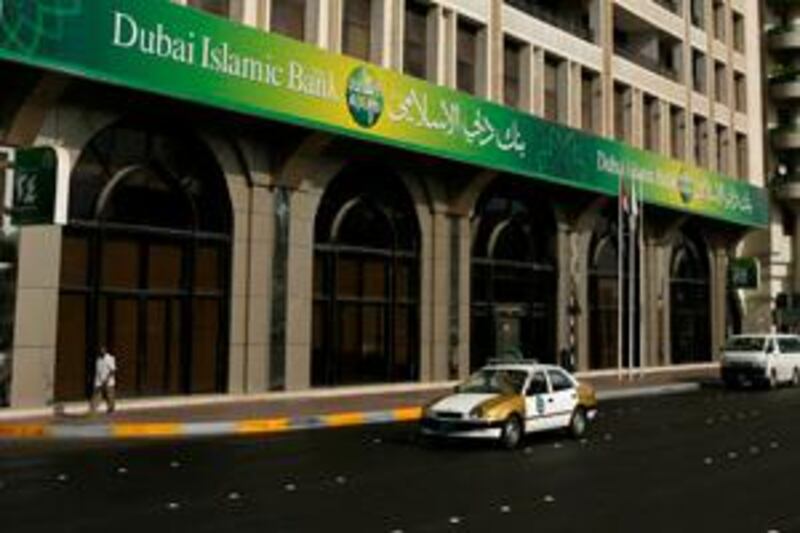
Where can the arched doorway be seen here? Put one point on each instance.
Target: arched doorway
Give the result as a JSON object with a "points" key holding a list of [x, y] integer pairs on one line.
{"points": [[690, 312], [366, 281], [604, 295], [145, 265], [514, 275]]}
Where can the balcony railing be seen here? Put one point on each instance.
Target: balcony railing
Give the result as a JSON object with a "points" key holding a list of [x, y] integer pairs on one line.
{"points": [[647, 62], [554, 18]]}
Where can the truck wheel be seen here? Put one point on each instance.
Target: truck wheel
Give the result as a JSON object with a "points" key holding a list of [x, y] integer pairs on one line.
{"points": [[511, 433]]}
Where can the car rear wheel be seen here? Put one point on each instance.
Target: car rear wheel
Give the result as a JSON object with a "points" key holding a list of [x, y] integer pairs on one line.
{"points": [[578, 422], [511, 433]]}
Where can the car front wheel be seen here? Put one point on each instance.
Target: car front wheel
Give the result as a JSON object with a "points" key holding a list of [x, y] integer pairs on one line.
{"points": [[511, 432], [578, 422]]}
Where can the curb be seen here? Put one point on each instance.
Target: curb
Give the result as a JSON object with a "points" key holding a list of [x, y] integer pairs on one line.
{"points": [[144, 430]]}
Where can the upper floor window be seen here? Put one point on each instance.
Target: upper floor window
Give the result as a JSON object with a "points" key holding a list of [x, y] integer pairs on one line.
{"points": [[467, 57], [512, 76], [288, 17], [217, 7], [719, 20], [356, 28], [698, 13], [591, 101], [740, 87], [415, 52], [738, 32]]}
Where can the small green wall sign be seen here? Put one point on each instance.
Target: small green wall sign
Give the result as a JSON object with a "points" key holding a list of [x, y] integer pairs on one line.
{"points": [[37, 186], [744, 273]]}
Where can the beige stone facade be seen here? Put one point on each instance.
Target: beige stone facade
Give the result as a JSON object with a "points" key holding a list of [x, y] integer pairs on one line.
{"points": [[277, 176]]}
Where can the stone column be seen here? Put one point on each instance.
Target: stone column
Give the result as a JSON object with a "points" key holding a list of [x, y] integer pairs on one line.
{"points": [[719, 282], [580, 246], [464, 260], [564, 290], [299, 286], [36, 318], [437, 306]]}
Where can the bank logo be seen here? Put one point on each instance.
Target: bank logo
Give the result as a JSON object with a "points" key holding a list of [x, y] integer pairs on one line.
{"points": [[364, 97], [685, 188], [26, 25]]}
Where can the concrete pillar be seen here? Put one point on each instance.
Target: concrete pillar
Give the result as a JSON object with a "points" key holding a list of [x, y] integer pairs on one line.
{"points": [[606, 42], [299, 288], [527, 81], [36, 318], [496, 51], [437, 308], [465, 280], [637, 117], [450, 27], [719, 283], [259, 290], [438, 47], [538, 81], [664, 255], [580, 242], [796, 251], [334, 20], [564, 290], [653, 304]]}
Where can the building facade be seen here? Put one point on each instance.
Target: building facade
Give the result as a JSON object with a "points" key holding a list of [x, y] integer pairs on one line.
{"points": [[782, 61], [255, 205]]}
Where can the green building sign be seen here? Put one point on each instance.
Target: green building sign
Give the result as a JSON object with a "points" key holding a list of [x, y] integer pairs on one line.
{"points": [[183, 53], [37, 186], [744, 273]]}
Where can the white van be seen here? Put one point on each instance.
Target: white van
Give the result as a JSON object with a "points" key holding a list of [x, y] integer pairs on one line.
{"points": [[761, 360]]}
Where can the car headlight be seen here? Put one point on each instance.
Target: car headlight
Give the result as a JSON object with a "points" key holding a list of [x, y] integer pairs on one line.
{"points": [[476, 412]]}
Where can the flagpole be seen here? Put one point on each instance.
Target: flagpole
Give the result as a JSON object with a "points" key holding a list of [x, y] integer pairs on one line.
{"points": [[620, 293], [642, 286], [631, 277]]}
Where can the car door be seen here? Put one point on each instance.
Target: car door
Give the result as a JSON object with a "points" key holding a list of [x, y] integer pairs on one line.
{"points": [[563, 397], [538, 403]]}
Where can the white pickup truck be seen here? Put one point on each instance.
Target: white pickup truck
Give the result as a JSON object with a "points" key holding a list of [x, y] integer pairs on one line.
{"points": [[768, 359]]}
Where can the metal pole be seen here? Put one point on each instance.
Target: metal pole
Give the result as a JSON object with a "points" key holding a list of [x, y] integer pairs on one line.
{"points": [[631, 277], [620, 294], [642, 286]]}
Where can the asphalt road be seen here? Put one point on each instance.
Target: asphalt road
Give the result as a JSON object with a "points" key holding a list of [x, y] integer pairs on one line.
{"points": [[706, 461]]}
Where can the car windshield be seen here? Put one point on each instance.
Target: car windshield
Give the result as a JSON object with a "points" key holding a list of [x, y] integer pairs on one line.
{"points": [[494, 381], [745, 344]]}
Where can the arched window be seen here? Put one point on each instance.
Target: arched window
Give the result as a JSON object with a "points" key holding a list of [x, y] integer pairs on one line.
{"points": [[514, 275], [145, 265], [604, 295], [690, 312], [366, 281]]}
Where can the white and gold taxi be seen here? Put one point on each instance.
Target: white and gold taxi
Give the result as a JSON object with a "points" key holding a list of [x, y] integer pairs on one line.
{"points": [[506, 400]]}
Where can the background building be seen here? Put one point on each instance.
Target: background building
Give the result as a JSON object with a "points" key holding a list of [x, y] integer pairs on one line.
{"points": [[216, 251]]}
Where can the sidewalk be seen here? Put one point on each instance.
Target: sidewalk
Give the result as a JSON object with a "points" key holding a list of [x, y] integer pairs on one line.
{"points": [[276, 412]]}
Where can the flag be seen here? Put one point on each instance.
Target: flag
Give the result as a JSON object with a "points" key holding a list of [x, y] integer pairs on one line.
{"points": [[624, 201]]}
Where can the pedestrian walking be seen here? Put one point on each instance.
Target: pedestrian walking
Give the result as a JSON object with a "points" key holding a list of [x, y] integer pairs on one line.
{"points": [[105, 371]]}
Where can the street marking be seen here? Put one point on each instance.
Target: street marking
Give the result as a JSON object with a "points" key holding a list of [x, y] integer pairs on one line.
{"points": [[290, 487], [22, 430], [173, 506], [344, 419], [455, 520], [164, 429], [407, 414], [549, 499], [505, 509], [270, 425]]}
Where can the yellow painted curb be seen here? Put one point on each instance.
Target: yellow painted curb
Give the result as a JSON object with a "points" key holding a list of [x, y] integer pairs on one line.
{"points": [[146, 430], [22, 430], [270, 425], [407, 414], [344, 419]]}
